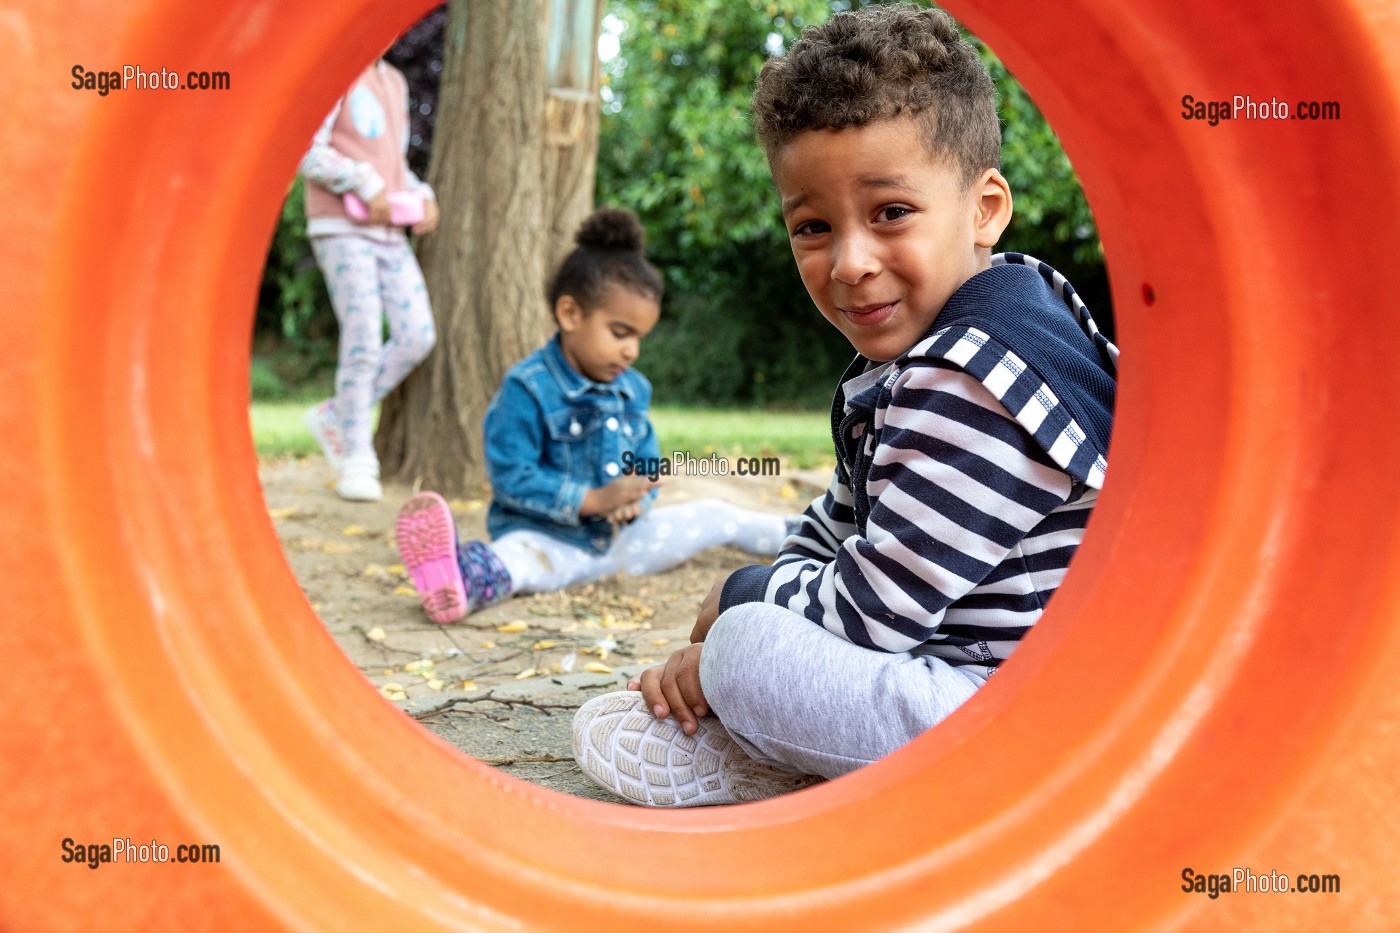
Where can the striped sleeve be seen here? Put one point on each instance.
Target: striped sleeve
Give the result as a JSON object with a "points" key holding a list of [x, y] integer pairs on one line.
{"points": [[955, 485]]}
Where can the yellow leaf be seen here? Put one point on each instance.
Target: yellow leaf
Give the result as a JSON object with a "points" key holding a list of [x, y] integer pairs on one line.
{"points": [[511, 627], [283, 513], [388, 671], [466, 505], [787, 492], [488, 644], [435, 684], [597, 668], [646, 660], [352, 530], [571, 627], [425, 664], [544, 645], [405, 591], [526, 674], [658, 642], [375, 634], [468, 685], [336, 547], [390, 687]]}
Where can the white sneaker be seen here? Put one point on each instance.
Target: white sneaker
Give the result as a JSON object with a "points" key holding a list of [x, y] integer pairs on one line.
{"points": [[324, 425], [359, 480], [649, 761]]}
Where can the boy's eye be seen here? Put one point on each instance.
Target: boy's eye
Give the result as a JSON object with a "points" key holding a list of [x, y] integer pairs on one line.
{"points": [[893, 212], [811, 228]]}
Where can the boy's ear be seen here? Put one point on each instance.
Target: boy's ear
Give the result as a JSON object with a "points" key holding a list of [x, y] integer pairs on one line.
{"points": [[568, 313], [993, 208]]}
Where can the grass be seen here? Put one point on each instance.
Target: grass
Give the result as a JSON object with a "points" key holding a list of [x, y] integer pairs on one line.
{"points": [[802, 439]]}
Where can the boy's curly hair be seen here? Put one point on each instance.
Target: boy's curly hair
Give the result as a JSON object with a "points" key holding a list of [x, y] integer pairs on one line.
{"points": [[881, 62]]}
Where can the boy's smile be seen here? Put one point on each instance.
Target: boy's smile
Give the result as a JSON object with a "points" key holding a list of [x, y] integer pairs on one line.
{"points": [[883, 232]]}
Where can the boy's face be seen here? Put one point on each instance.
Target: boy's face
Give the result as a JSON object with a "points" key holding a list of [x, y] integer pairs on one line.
{"points": [[883, 232]]}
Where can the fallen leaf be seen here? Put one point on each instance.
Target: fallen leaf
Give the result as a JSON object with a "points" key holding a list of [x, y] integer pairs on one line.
{"points": [[488, 644], [571, 627], [424, 664], [391, 687], [405, 591], [512, 627], [527, 674], [337, 547], [787, 492], [658, 642], [543, 645], [646, 660], [435, 684], [468, 685], [283, 513], [352, 530], [375, 634], [594, 667], [397, 569]]}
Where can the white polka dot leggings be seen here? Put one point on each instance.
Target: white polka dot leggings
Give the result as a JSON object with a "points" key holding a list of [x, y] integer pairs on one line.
{"points": [[369, 281], [658, 541]]}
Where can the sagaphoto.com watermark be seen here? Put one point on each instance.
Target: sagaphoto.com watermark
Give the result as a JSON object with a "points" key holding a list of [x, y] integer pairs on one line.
{"points": [[1243, 107], [134, 77], [685, 463]]}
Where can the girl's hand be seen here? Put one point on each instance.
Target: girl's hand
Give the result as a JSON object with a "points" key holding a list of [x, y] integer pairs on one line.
{"points": [[623, 491], [624, 514], [673, 689], [430, 218], [378, 207]]}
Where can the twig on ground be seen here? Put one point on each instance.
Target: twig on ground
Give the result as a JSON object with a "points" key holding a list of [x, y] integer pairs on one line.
{"points": [[526, 759], [508, 702]]}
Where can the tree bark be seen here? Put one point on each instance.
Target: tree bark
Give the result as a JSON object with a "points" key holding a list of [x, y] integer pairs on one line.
{"points": [[511, 193]]}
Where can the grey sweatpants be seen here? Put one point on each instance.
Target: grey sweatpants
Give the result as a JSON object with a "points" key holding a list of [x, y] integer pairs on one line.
{"points": [[792, 694]]}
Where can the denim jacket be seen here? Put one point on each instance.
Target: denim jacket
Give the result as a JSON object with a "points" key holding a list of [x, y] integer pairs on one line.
{"points": [[551, 435]]}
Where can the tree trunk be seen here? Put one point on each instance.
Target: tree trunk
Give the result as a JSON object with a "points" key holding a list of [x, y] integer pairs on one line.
{"points": [[511, 191]]}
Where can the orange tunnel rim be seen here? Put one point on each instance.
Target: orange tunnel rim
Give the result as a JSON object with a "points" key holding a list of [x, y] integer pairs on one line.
{"points": [[227, 713]]}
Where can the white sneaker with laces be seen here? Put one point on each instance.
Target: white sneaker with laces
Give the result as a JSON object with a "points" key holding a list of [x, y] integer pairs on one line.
{"points": [[359, 480], [625, 749]]}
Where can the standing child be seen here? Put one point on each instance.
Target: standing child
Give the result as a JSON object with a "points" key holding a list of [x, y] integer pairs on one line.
{"points": [[563, 436], [360, 194], [971, 433]]}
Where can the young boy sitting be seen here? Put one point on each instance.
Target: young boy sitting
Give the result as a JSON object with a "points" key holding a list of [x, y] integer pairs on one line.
{"points": [[970, 436]]}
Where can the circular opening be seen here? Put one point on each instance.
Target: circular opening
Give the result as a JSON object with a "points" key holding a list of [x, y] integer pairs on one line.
{"points": [[501, 685]]}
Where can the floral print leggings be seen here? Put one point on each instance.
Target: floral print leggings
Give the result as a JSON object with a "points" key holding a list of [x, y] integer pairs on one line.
{"points": [[369, 281]]}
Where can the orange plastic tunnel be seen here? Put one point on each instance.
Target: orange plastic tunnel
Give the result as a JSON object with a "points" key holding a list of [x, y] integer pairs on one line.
{"points": [[1215, 686]]}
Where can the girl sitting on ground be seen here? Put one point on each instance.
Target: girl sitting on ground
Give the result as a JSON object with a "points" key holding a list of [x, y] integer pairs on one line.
{"points": [[564, 436]]}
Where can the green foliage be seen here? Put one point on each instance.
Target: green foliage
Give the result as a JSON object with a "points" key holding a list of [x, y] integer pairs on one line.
{"points": [[676, 145], [295, 328]]}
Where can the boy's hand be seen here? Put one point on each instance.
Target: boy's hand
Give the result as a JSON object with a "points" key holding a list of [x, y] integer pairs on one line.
{"points": [[709, 611], [623, 491], [430, 218], [673, 688]]}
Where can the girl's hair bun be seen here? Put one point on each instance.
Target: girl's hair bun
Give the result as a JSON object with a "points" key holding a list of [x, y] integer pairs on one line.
{"points": [[612, 228]]}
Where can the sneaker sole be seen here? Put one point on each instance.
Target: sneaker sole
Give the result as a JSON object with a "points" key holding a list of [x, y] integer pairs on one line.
{"points": [[427, 539], [622, 747]]}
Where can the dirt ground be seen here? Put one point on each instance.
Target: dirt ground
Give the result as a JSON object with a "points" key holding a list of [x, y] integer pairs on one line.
{"points": [[501, 684]]}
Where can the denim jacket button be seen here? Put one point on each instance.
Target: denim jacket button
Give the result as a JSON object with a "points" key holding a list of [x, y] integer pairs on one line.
{"points": [[612, 469], [611, 423], [575, 428]]}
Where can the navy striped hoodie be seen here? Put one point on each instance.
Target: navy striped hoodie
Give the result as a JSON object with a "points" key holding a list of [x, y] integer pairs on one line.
{"points": [[966, 471]]}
